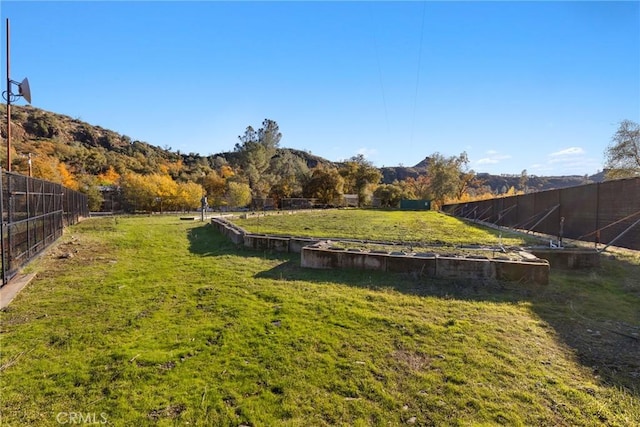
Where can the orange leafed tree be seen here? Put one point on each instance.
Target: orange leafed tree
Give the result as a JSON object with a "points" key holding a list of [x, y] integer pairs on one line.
{"points": [[67, 178], [215, 187], [226, 171], [46, 168], [109, 177], [189, 195]]}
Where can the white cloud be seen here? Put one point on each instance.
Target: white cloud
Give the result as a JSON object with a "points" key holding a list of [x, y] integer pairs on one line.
{"points": [[368, 153], [571, 151], [570, 161], [570, 157], [492, 158], [487, 161]]}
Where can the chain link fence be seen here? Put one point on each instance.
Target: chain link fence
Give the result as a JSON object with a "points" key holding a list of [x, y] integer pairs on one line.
{"points": [[34, 213], [604, 213]]}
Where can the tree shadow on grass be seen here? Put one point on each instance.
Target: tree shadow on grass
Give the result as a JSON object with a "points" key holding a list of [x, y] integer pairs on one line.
{"points": [[581, 306], [605, 343], [207, 241]]}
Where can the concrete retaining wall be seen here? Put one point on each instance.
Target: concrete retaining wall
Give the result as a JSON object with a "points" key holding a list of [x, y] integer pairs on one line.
{"points": [[568, 258], [230, 231], [261, 242], [430, 265], [316, 254]]}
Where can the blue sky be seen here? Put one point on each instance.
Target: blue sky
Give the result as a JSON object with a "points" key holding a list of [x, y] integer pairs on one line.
{"points": [[539, 86]]}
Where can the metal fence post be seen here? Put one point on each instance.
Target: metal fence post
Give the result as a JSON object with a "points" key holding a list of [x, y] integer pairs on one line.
{"points": [[2, 225]]}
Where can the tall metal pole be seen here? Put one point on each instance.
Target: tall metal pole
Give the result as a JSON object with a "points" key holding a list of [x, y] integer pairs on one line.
{"points": [[8, 103], [2, 246]]}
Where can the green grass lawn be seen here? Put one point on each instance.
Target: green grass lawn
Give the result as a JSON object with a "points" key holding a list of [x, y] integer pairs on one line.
{"points": [[157, 321], [427, 227]]}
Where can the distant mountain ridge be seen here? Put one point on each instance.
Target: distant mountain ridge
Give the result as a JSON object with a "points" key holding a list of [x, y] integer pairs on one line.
{"points": [[90, 149]]}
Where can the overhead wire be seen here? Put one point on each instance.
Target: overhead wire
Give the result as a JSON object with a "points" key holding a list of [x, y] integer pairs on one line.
{"points": [[415, 96], [375, 46]]}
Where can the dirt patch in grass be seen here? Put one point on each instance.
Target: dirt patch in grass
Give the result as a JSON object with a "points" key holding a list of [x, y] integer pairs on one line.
{"points": [[70, 251], [171, 412], [413, 360]]}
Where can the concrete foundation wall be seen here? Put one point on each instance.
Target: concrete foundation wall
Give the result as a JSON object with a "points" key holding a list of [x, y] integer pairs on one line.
{"points": [[266, 243], [297, 243], [569, 258], [261, 242], [233, 233], [318, 256], [523, 271], [315, 254]]}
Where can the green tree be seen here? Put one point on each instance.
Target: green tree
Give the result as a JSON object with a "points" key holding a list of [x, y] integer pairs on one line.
{"points": [[359, 175], [325, 184], [89, 185], [446, 176], [290, 172], [238, 194], [269, 135], [255, 150], [524, 179], [623, 154], [389, 195], [407, 190]]}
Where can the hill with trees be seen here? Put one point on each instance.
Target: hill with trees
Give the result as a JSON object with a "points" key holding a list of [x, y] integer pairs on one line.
{"points": [[90, 158]]}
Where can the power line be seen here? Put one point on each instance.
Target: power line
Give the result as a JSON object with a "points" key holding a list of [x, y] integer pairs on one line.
{"points": [[375, 45], [415, 96]]}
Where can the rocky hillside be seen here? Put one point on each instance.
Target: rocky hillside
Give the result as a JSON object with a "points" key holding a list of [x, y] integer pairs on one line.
{"points": [[89, 150]]}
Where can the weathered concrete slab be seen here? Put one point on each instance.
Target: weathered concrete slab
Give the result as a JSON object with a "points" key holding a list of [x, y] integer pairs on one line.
{"points": [[422, 264], [266, 243], [227, 229], [9, 291], [297, 243], [567, 258], [522, 271], [429, 265], [464, 268], [315, 254]]}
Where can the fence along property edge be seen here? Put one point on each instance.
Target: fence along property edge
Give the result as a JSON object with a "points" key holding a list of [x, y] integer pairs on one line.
{"points": [[34, 213]]}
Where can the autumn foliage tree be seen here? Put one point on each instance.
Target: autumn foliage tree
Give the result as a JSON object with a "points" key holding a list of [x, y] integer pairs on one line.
{"points": [[109, 177], [158, 192], [418, 188], [238, 194], [188, 196], [88, 158], [215, 187], [623, 154]]}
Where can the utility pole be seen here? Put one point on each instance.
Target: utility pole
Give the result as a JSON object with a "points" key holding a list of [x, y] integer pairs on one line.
{"points": [[23, 91], [8, 101]]}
